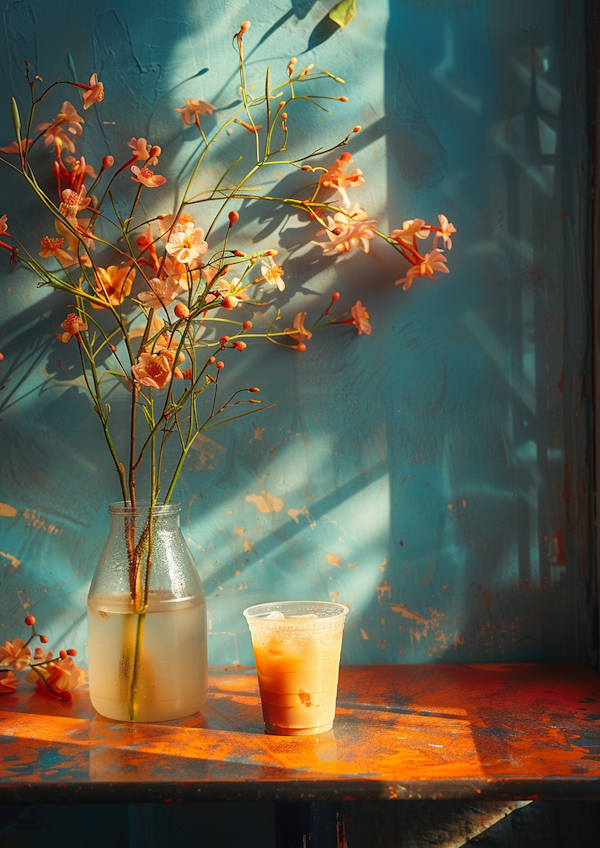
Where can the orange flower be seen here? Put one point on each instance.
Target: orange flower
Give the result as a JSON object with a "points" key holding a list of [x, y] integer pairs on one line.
{"points": [[336, 176], [345, 234], [192, 108], [3, 225], [143, 150], [434, 261], [272, 273], [13, 147], [446, 230], [61, 675], [94, 94], [72, 326], [54, 247], [154, 370], [162, 292], [186, 244], [55, 131], [299, 331], [15, 655], [8, 683], [147, 177], [410, 229], [361, 318], [72, 203], [114, 284]]}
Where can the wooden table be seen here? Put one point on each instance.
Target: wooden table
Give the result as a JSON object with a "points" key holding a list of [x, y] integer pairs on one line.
{"points": [[508, 731]]}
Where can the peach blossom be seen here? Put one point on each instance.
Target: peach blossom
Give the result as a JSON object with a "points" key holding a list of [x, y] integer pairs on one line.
{"points": [[336, 177], [67, 119], [361, 318], [54, 247], [272, 273], [346, 235], [113, 284], [410, 229], [60, 675], [141, 147], [299, 331], [72, 326], [162, 292], [72, 203], [15, 654], [154, 369], [13, 147], [8, 683], [192, 108], [446, 231], [147, 177], [94, 94], [434, 261], [187, 245]]}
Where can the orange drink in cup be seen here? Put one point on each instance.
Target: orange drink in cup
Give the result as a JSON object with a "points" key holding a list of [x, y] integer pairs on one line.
{"points": [[297, 648]]}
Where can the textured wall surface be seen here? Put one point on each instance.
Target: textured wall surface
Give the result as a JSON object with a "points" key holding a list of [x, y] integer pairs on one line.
{"points": [[434, 476]]}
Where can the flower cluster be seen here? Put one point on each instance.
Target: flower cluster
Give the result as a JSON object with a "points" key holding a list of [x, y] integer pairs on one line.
{"points": [[57, 675], [150, 305]]}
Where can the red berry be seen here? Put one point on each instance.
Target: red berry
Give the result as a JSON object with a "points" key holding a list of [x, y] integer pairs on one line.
{"points": [[72, 652], [182, 311], [233, 217], [247, 325], [43, 639], [211, 360], [254, 389], [301, 347], [63, 655], [239, 345], [30, 620], [220, 364], [223, 340]]}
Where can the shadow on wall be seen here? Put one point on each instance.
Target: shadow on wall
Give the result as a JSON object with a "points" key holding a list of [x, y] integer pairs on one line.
{"points": [[416, 475]]}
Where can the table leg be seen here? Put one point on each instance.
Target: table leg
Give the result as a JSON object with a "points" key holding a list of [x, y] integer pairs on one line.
{"points": [[308, 824]]}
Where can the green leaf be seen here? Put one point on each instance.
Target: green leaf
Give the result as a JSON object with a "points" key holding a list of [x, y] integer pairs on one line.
{"points": [[343, 12]]}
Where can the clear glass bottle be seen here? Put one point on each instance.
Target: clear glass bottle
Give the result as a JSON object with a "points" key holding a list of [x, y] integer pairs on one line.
{"points": [[146, 619]]}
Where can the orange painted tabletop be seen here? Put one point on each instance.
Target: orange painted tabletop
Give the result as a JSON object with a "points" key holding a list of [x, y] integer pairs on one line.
{"points": [[512, 731]]}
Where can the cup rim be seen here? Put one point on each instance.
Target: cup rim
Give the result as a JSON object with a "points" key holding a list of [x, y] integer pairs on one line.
{"points": [[258, 612]]}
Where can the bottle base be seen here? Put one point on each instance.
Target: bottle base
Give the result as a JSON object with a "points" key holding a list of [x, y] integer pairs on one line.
{"points": [[276, 730], [162, 711]]}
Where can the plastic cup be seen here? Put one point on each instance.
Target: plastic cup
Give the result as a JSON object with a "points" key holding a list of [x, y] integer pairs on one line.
{"points": [[297, 648]]}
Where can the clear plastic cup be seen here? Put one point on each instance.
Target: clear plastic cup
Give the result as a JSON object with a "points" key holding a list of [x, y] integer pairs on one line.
{"points": [[297, 648]]}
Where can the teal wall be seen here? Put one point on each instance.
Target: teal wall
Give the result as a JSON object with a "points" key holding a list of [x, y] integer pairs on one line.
{"points": [[434, 476]]}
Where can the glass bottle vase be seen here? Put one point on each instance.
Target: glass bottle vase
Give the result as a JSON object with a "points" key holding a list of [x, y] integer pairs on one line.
{"points": [[146, 619]]}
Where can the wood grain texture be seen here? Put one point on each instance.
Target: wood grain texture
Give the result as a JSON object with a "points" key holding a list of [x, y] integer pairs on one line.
{"points": [[505, 732]]}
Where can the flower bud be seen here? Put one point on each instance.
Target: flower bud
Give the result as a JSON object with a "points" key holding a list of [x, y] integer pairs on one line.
{"points": [[1, 357], [187, 374], [284, 116], [63, 655], [233, 217], [211, 360], [346, 157], [281, 104], [108, 161], [43, 639], [66, 696], [244, 27], [155, 151], [112, 347], [306, 168], [357, 129], [220, 365], [240, 345], [230, 302], [343, 99], [30, 620], [72, 652], [254, 389], [301, 347], [270, 253], [239, 253], [182, 311], [223, 340], [38, 654], [247, 325]]}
